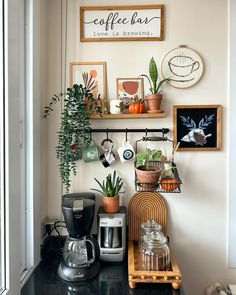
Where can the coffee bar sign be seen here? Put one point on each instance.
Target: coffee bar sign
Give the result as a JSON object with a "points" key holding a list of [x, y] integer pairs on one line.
{"points": [[121, 23]]}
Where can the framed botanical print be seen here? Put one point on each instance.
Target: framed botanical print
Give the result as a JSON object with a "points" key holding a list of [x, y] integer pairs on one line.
{"points": [[90, 74], [197, 127]]}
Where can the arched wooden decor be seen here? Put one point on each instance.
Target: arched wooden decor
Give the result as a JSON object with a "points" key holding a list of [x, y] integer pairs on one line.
{"points": [[142, 207]]}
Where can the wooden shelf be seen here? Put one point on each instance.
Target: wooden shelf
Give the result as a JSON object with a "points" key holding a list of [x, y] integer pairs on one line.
{"points": [[128, 116]]}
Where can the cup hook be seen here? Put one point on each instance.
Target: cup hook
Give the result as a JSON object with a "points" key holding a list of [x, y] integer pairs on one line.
{"points": [[126, 134]]}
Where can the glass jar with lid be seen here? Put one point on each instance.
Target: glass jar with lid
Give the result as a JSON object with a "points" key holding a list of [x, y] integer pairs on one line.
{"points": [[155, 252], [148, 227]]}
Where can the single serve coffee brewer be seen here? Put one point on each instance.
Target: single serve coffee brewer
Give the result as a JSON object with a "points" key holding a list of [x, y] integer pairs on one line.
{"points": [[112, 235]]}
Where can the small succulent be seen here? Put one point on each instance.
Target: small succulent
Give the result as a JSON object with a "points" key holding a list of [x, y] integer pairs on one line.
{"points": [[111, 186]]}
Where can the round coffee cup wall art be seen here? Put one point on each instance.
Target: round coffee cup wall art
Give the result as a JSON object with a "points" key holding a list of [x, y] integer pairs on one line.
{"points": [[183, 66]]}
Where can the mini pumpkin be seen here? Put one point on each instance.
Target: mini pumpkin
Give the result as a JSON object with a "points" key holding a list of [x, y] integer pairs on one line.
{"points": [[169, 184], [136, 108]]}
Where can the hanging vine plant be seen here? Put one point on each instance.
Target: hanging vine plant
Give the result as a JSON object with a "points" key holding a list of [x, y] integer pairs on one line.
{"points": [[74, 127]]}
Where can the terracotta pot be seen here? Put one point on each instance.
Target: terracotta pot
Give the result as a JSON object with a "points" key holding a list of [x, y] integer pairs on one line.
{"points": [[148, 179], [153, 102], [111, 204]]}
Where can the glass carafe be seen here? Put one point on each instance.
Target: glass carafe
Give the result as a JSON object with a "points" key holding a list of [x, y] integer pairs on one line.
{"points": [[75, 252], [155, 252], [148, 227]]}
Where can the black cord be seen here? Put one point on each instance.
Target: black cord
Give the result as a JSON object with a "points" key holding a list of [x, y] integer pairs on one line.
{"points": [[54, 243]]}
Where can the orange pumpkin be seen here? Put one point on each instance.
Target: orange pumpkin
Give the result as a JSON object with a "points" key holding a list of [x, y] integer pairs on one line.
{"points": [[136, 108], [169, 184]]}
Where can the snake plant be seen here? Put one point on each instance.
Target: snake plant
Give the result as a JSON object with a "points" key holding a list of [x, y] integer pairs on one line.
{"points": [[155, 86]]}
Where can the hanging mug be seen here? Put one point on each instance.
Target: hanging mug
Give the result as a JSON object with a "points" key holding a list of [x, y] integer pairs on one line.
{"points": [[90, 152], [107, 158], [126, 152]]}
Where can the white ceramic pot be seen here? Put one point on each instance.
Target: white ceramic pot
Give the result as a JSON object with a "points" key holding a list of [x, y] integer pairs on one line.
{"points": [[115, 106]]}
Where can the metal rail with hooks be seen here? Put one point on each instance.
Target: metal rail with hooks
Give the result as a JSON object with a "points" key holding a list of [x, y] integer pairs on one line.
{"points": [[128, 130]]}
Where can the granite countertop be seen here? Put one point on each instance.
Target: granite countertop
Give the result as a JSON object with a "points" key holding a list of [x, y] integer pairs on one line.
{"points": [[112, 280]]}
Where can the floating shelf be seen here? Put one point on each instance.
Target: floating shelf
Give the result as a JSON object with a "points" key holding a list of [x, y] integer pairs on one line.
{"points": [[128, 116]]}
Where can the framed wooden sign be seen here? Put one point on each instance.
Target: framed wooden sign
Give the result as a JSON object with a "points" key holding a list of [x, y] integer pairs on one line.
{"points": [[122, 23], [197, 127]]}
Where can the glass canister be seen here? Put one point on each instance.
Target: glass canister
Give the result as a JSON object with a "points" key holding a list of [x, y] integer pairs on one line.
{"points": [[147, 228], [156, 255]]}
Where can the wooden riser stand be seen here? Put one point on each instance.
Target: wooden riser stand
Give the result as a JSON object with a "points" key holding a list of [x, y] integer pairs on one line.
{"points": [[136, 274]]}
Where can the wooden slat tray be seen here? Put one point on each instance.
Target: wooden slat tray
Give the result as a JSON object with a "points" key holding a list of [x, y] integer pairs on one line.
{"points": [[142, 207], [136, 273]]}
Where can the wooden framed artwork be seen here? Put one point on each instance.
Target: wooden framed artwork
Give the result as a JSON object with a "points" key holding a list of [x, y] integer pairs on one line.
{"points": [[91, 75], [197, 127], [183, 66], [130, 87], [122, 23]]}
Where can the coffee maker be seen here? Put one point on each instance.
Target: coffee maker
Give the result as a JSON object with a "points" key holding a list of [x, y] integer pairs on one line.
{"points": [[80, 261], [112, 235]]}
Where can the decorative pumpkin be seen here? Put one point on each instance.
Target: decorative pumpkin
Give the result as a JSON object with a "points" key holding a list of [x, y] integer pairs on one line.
{"points": [[136, 108], [169, 184]]}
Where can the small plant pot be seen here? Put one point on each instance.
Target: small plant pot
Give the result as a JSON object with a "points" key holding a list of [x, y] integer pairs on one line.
{"points": [[153, 102], [111, 204], [148, 179]]}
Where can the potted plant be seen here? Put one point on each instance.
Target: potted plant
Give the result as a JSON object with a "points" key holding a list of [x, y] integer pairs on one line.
{"points": [[74, 127], [148, 168], [110, 188], [154, 99]]}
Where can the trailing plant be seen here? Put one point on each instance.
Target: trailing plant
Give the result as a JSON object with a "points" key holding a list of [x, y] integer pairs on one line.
{"points": [[74, 127], [155, 86], [145, 158], [111, 186]]}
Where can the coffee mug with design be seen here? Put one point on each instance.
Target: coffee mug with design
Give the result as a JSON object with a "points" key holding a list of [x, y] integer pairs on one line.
{"points": [[108, 157], [126, 152], [90, 153]]}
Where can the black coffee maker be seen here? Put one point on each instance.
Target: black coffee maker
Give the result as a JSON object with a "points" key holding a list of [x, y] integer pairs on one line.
{"points": [[80, 261]]}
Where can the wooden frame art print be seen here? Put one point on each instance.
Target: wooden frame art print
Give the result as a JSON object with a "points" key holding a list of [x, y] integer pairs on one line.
{"points": [[130, 87], [197, 127], [96, 71], [122, 23]]}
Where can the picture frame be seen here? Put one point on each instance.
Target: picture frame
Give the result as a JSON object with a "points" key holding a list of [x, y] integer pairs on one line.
{"points": [[122, 23], [183, 66], [95, 70], [197, 127], [129, 87]]}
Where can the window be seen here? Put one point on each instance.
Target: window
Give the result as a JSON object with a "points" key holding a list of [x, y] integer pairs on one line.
{"points": [[2, 164]]}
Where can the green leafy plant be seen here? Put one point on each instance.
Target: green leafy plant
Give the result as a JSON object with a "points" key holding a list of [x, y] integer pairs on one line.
{"points": [[155, 86], [145, 158], [74, 127], [111, 186]]}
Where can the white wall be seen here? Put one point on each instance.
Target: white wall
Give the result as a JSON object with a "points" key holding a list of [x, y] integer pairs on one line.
{"points": [[198, 216]]}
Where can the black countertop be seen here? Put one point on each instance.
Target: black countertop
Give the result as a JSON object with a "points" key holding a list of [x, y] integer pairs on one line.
{"points": [[112, 280]]}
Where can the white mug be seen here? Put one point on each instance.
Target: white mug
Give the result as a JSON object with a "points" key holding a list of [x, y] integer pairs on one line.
{"points": [[126, 152]]}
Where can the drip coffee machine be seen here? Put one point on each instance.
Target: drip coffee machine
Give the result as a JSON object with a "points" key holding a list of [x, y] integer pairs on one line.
{"points": [[80, 261]]}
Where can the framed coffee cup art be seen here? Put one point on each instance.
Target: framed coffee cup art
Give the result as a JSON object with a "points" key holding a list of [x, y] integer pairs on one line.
{"points": [[183, 67], [197, 127]]}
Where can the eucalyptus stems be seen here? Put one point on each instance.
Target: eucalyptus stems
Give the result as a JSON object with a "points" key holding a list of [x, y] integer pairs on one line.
{"points": [[74, 128]]}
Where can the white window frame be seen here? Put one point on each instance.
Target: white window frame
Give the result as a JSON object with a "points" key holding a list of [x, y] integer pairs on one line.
{"points": [[232, 137], [14, 28]]}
